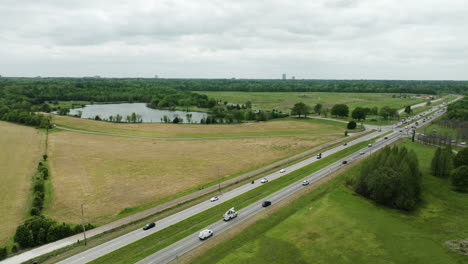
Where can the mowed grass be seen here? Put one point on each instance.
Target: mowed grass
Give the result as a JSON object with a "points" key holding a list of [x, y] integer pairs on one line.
{"points": [[284, 101], [109, 174], [279, 127], [21, 148], [334, 225]]}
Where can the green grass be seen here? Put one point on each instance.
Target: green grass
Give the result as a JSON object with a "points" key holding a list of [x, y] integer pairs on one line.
{"points": [[333, 225], [150, 244], [284, 101]]}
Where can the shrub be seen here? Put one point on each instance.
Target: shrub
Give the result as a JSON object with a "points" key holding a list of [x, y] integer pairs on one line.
{"points": [[3, 253], [351, 125]]}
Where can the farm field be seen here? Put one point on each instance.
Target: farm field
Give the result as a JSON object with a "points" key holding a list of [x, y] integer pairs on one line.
{"points": [[279, 127], [22, 147], [333, 225], [284, 101], [109, 174]]}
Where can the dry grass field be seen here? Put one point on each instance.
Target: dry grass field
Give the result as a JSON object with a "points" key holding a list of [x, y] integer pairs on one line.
{"points": [[196, 130], [21, 148], [109, 174]]}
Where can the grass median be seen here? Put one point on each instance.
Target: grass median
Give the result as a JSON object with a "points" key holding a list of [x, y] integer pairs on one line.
{"points": [[159, 240]]}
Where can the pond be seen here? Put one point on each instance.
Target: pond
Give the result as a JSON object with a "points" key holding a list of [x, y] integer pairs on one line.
{"points": [[126, 109]]}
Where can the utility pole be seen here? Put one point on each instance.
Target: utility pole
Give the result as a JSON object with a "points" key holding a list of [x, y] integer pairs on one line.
{"points": [[219, 182], [82, 224]]}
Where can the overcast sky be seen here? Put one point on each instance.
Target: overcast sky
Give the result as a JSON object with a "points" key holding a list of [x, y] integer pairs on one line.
{"points": [[319, 39]]}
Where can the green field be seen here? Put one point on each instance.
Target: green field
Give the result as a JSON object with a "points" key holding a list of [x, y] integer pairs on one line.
{"points": [[333, 225], [284, 101]]}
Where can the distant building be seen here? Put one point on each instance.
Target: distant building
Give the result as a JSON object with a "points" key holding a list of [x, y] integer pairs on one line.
{"points": [[156, 76], [284, 76], [96, 76], [294, 77]]}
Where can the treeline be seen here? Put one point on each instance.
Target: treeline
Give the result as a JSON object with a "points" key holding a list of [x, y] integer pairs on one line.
{"points": [[392, 178], [458, 110], [39, 229]]}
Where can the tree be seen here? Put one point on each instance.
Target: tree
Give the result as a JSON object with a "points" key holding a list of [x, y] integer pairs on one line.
{"points": [[461, 158], [442, 162], [325, 111], [248, 104], [340, 110], [300, 109], [318, 108], [351, 125], [359, 113], [459, 178], [387, 112], [408, 109]]}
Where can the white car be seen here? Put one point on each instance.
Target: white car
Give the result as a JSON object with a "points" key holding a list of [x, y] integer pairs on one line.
{"points": [[205, 234], [305, 182], [264, 180], [282, 171], [361, 152], [214, 199]]}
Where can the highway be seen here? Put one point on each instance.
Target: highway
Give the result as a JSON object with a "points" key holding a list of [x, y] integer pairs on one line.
{"points": [[192, 241]]}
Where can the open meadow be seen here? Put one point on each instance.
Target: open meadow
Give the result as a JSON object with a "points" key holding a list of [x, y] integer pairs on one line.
{"points": [[284, 101], [109, 174], [334, 225], [21, 148]]}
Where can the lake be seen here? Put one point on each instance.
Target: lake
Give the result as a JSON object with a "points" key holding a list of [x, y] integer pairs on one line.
{"points": [[147, 114]]}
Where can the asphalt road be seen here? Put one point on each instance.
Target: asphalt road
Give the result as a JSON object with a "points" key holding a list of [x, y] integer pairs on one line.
{"points": [[133, 236]]}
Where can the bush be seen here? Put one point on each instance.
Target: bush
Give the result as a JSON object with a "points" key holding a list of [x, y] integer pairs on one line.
{"points": [[14, 248], [44, 157], [351, 125], [459, 178], [35, 211]]}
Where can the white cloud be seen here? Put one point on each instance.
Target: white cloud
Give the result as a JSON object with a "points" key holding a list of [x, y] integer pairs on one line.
{"points": [[382, 39]]}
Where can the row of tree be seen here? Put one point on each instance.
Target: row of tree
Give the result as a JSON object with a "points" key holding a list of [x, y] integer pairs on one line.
{"points": [[342, 110], [392, 178]]}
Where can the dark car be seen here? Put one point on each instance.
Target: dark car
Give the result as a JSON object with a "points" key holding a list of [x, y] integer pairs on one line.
{"points": [[266, 203], [148, 226], [345, 162]]}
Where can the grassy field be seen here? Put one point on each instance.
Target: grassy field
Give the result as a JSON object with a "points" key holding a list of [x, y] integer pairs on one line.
{"points": [[21, 149], [333, 225], [279, 127], [109, 174], [285, 101]]}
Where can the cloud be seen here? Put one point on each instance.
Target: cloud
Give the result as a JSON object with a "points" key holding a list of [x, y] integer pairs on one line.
{"points": [[245, 39]]}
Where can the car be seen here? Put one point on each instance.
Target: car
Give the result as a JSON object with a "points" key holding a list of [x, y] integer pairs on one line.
{"points": [[148, 226], [462, 143], [345, 144], [214, 199], [319, 156], [266, 203], [385, 138], [401, 130], [344, 162], [264, 180], [305, 182], [370, 145], [205, 234], [361, 152], [282, 171]]}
